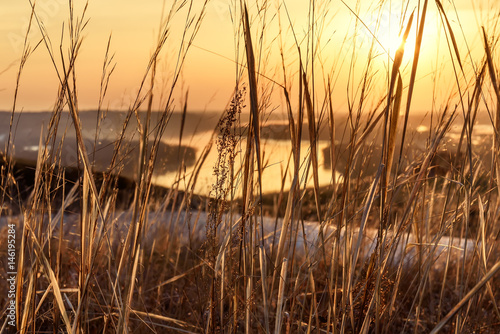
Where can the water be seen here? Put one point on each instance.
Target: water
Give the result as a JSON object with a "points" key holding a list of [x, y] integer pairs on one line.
{"points": [[198, 129]]}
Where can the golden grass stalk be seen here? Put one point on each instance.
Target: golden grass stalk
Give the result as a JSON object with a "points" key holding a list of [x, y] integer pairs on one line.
{"points": [[331, 123], [281, 297], [413, 75], [311, 120], [263, 273], [450, 31], [388, 142], [254, 134], [53, 280], [393, 126], [160, 317], [486, 278], [496, 89], [252, 78], [27, 307]]}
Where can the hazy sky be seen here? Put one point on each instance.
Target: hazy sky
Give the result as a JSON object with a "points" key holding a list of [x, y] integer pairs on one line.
{"points": [[209, 72]]}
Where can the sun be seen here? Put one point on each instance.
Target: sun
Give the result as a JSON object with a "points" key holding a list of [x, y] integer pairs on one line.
{"points": [[390, 43], [386, 26]]}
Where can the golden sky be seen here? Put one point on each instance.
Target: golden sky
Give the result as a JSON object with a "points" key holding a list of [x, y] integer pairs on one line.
{"points": [[209, 71]]}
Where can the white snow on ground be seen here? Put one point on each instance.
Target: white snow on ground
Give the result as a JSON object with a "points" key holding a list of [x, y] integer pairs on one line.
{"points": [[190, 230]]}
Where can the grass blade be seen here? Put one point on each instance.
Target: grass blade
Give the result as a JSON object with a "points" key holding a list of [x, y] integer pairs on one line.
{"points": [[467, 297]]}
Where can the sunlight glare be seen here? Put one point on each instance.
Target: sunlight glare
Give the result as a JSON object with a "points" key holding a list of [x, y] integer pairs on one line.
{"points": [[394, 42], [387, 25]]}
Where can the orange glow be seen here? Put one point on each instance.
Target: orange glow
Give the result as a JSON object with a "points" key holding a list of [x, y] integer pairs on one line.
{"points": [[209, 73]]}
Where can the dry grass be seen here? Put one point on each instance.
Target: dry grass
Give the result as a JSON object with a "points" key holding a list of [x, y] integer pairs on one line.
{"points": [[176, 263]]}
